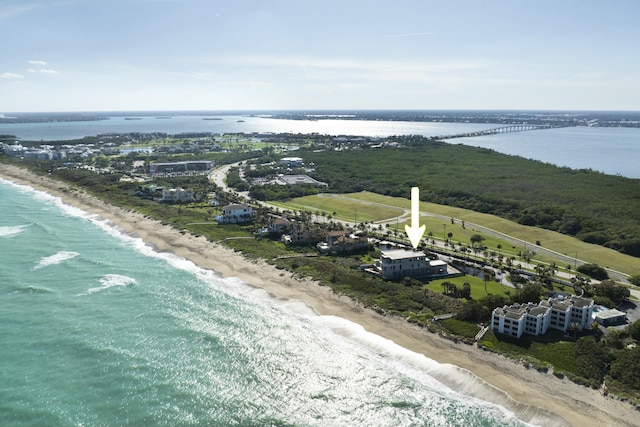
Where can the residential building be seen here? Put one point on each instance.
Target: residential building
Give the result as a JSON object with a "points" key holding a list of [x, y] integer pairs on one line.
{"points": [[397, 264], [517, 319], [567, 310], [278, 225], [343, 241], [302, 234], [176, 195], [536, 319], [235, 214]]}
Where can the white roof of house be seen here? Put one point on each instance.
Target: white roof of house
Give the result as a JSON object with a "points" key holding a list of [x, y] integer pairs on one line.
{"points": [[401, 254], [610, 314]]}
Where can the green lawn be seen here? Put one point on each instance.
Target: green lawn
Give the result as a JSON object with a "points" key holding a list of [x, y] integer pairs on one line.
{"points": [[345, 210], [477, 286], [345, 207]]}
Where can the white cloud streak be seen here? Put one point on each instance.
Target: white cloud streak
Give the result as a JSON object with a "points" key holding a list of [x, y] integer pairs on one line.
{"points": [[40, 63], [42, 71], [11, 76]]}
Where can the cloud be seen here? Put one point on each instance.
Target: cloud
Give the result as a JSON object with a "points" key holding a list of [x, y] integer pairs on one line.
{"points": [[11, 76], [40, 63], [42, 70]]}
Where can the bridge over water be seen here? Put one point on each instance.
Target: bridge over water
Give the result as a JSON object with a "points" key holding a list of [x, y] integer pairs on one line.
{"points": [[501, 129]]}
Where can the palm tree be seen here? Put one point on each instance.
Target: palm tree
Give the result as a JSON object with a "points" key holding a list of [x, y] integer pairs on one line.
{"points": [[574, 327], [595, 328]]}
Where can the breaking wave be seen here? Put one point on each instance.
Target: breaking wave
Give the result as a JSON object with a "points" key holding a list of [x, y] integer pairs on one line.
{"points": [[12, 230], [109, 281], [56, 258]]}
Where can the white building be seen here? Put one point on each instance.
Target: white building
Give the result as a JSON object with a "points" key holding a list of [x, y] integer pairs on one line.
{"points": [[536, 319], [292, 162], [396, 264], [518, 319], [565, 311], [176, 195], [236, 214]]}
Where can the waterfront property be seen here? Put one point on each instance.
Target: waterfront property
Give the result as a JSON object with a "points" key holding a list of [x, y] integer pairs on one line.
{"points": [[396, 264], [237, 213], [342, 241], [177, 195], [536, 319], [610, 317]]}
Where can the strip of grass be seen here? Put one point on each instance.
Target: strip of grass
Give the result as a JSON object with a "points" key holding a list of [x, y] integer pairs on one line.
{"points": [[346, 210]]}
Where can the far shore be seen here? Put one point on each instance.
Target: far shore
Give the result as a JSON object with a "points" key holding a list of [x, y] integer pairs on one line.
{"points": [[535, 397]]}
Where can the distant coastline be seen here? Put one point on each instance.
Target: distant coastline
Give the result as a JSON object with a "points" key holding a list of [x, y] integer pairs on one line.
{"points": [[573, 118]]}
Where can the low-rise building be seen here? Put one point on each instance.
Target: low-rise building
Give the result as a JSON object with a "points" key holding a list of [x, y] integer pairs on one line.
{"points": [[567, 310], [536, 319], [396, 264], [298, 180], [175, 167], [343, 241], [292, 162], [177, 195], [610, 317], [237, 213], [517, 319]]}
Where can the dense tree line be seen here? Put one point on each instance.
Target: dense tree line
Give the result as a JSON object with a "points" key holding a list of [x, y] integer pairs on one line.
{"points": [[596, 208]]}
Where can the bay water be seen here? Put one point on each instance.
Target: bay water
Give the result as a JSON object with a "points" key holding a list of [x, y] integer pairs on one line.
{"points": [[611, 150], [98, 329]]}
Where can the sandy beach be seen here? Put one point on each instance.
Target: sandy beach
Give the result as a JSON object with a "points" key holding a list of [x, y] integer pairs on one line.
{"points": [[534, 395]]}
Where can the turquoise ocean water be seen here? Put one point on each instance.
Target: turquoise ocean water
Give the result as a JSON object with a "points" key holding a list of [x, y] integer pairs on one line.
{"points": [[97, 329]]}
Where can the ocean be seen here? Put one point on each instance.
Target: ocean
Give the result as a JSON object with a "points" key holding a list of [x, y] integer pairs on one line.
{"points": [[98, 329], [610, 150]]}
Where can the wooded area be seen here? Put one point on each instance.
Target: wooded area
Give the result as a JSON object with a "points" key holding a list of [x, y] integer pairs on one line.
{"points": [[594, 207]]}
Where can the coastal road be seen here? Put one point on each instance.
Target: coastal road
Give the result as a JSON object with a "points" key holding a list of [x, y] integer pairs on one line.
{"points": [[219, 174]]}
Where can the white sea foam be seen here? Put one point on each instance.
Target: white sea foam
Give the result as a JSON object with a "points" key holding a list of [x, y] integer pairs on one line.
{"points": [[447, 379], [56, 258], [109, 281], [8, 231]]}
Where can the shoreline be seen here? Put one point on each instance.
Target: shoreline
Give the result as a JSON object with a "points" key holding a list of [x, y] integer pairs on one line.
{"points": [[535, 396]]}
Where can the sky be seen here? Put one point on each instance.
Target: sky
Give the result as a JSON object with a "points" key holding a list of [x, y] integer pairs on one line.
{"points": [[126, 55]]}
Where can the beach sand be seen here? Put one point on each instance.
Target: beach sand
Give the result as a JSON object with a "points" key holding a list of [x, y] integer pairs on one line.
{"points": [[534, 395]]}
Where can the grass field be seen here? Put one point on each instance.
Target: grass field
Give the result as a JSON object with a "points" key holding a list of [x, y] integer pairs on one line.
{"points": [[366, 206]]}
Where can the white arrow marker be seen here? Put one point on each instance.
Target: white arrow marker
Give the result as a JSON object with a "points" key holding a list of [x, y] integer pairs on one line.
{"points": [[415, 231]]}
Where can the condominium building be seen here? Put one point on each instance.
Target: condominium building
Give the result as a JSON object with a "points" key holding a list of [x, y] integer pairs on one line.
{"points": [[536, 319]]}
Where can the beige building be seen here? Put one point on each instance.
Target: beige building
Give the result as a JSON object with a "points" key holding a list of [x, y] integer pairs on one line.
{"points": [[396, 264]]}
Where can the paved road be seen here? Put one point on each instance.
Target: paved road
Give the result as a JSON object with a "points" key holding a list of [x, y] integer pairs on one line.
{"points": [[218, 175]]}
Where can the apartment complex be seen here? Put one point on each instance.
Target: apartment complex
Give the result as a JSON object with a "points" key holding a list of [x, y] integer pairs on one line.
{"points": [[535, 319]]}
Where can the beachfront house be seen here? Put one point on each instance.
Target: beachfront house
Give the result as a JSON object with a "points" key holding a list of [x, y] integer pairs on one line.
{"points": [[342, 241], [177, 195], [278, 225], [396, 264], [237, 213]]}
